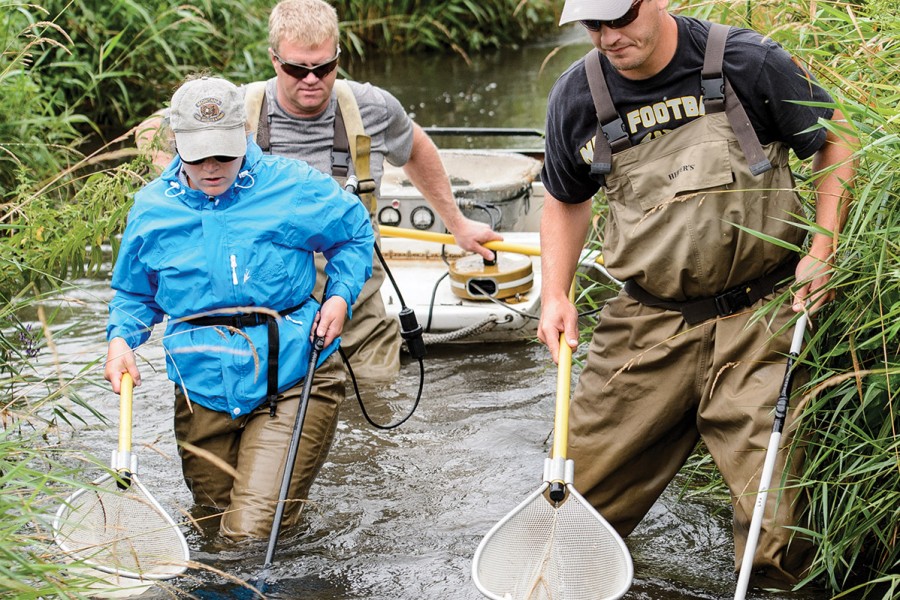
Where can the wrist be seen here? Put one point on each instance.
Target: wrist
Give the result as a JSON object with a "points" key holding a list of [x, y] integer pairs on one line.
{"points": [[821, 247]]}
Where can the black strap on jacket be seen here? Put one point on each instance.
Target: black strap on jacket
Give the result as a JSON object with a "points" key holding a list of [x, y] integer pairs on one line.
{"points": [[340, 148], [717, 93], [721, 305], [243, 320]]}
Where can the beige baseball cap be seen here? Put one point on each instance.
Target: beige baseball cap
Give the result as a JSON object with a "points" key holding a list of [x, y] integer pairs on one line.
{"points": [[604, 10], [207, 117]]}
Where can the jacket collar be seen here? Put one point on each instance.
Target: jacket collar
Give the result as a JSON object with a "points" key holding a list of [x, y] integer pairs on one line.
{"points": [[177, 187]]}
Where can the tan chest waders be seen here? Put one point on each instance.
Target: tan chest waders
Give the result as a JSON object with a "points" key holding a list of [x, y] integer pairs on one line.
{"points": [[684, 208]]}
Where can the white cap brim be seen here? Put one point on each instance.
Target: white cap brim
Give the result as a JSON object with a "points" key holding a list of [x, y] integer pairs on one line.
{"points": [[203, 143], [604, 10]]}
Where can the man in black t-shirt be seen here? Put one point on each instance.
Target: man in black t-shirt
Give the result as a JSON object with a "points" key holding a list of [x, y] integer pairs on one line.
{"points": [[684, 205]]}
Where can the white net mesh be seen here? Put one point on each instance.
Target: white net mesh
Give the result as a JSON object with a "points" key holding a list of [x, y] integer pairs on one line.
{"points": [[124, 532], [543, 552]]}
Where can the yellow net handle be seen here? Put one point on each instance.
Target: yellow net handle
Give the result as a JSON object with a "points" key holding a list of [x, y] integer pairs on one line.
{"points": [[125, 402], [563, 387]]}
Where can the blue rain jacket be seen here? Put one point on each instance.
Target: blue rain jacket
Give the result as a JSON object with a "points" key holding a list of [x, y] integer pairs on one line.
{"points": [[184, 253]]}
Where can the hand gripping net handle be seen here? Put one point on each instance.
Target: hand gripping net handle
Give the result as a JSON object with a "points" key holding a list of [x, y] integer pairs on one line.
{"points": [[115, 525], [553, 551]]}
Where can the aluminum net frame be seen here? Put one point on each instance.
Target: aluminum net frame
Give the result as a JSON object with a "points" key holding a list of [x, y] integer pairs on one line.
{"points": [[123, 532], [541, 551]]}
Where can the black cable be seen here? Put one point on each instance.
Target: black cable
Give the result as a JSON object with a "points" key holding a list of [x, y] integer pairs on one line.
{"points": [[410, 331], [362, 405], [390, 275], [431, 303], [488, 208]]}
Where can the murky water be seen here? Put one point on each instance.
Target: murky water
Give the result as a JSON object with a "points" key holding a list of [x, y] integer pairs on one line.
{"points": [[395, 515], [502, 88]]}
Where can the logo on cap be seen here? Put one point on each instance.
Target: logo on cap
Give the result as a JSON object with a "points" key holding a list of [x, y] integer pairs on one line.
{"points": [[208, 110]]}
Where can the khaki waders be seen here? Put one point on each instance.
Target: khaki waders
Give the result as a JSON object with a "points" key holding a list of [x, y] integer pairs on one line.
{"points": [[654, 384], [256, 446], [371, 340]]}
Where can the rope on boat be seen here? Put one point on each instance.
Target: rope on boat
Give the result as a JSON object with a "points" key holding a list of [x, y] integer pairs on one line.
{"points": [[464, 332]]}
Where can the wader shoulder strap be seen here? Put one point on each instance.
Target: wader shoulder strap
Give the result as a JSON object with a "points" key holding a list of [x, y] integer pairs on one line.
{"points": [[360, 150], [718, 95], [340, 147], [257, 110], [611, 136]]}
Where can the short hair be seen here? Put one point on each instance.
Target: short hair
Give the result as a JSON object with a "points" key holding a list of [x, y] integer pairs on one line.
{"points": [[310, 22]]}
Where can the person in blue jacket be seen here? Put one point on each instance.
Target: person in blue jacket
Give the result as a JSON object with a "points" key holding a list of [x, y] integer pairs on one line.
{"points": [[222, 244]]}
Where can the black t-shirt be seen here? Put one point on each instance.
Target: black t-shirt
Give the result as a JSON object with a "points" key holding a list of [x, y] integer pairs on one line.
{"points": [[762, 73]]}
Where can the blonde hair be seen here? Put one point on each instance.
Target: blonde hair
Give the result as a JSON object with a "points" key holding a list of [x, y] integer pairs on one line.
{"points": [[309, 22]]}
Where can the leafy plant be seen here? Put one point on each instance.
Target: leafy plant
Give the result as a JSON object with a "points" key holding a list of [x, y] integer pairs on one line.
{"points": [[851, 424]]}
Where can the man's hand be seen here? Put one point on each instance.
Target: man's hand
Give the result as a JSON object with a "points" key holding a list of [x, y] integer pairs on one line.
{"points": [[813, 274], [470, 235], [119, 360], [557, 316], [330, 319]]}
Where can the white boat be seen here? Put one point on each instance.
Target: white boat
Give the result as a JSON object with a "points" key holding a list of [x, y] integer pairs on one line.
{"points": [[454, 294]]}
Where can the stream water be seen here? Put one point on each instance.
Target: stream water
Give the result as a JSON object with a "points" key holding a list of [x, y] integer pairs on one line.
{"points": [[397, 515], [394, 515]]}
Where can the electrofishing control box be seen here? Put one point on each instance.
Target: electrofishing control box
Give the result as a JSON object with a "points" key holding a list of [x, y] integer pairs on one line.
{"points": [[490, 187]]}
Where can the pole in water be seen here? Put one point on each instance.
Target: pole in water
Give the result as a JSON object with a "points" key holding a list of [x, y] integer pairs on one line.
{"points": [[261, 581], [759, 508]]}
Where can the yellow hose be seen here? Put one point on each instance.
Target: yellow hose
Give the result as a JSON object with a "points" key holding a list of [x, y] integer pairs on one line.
{"points": [[446, 238]]}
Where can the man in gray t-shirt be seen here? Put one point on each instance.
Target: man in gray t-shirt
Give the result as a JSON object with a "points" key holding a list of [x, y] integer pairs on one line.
{"points": [[383, 119]]}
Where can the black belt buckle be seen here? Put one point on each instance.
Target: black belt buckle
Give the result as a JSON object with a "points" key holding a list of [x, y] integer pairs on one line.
{"points": [[731, 301], [250, 320]]}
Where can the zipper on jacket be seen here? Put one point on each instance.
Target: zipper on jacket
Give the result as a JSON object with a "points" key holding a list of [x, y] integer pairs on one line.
{"points": [[234, 269]]}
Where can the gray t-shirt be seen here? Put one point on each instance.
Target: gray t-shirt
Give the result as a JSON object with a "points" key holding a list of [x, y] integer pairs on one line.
{"points": [[311, 139]]}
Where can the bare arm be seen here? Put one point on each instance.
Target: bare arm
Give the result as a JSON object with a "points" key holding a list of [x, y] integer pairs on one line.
{"points": [[835, 171], [426, 171], [563, 231]]}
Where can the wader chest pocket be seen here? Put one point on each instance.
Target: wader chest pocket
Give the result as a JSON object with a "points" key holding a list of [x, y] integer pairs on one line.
{"points": [[702, 166]]}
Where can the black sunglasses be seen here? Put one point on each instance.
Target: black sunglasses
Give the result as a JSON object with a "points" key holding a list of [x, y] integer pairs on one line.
{"points": [[626, 19], [301, 71], [199, 161]]}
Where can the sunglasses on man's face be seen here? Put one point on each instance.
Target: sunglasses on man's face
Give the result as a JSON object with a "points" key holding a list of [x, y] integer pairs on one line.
{"points": [[200, 161], [301, 71], [626, 19]]}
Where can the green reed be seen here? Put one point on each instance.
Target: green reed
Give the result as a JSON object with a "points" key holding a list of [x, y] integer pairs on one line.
{"points": [[851, 424]]}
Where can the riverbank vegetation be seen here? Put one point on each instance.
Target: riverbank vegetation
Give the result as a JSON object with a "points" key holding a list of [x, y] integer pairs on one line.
{"points": [[75, 76]]}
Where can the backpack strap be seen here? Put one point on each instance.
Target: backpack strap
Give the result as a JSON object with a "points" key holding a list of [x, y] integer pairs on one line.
{"points": [[360, 149], [718, 95], [611, 135]]}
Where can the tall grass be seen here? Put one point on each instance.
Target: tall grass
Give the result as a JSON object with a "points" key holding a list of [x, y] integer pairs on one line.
{"points": [[460, 25], [852, 420]]}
